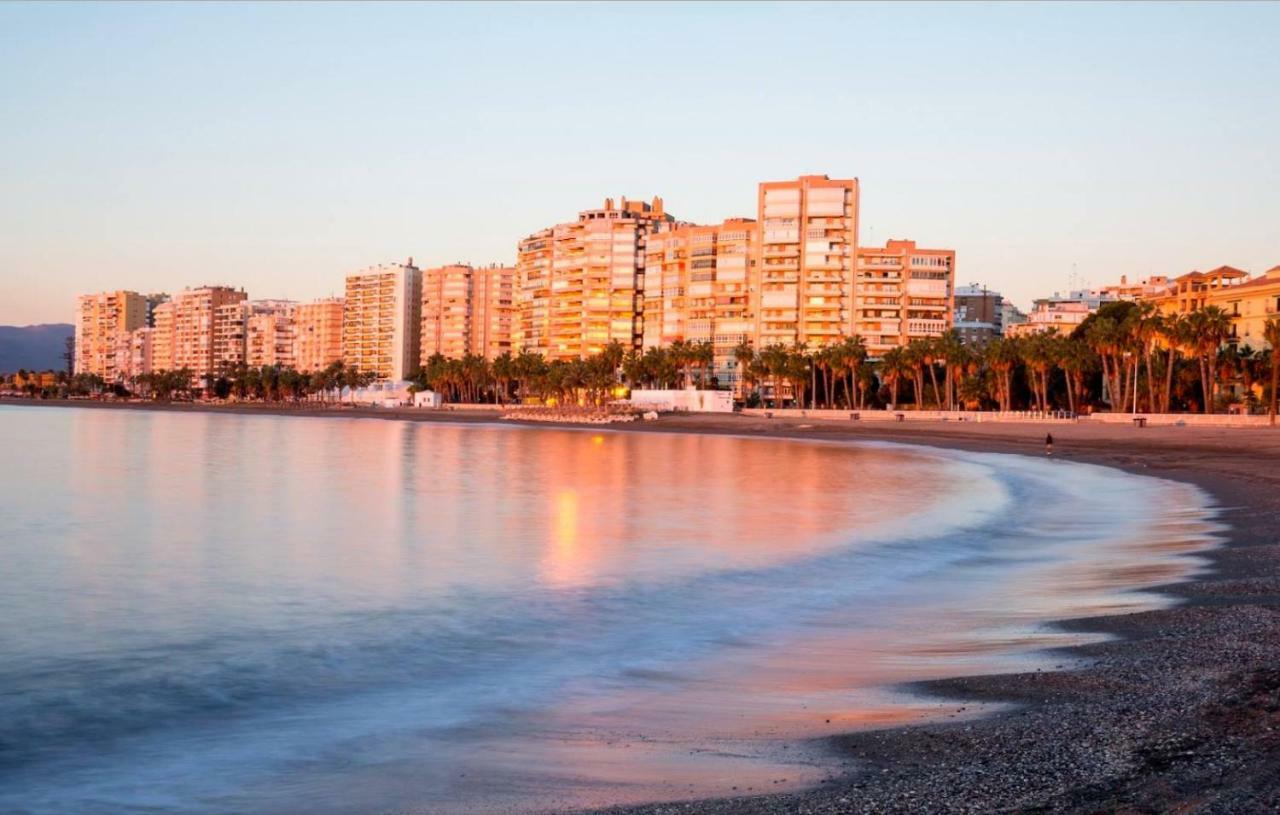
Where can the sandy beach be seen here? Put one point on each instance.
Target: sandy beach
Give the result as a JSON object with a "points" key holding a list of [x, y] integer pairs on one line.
{"points": [[1180, 712]]}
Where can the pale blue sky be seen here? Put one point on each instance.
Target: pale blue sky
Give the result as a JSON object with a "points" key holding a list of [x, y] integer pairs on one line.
{"points": [[282, 146]]}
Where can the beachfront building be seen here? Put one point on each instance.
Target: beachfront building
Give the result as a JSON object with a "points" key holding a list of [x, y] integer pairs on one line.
{"points": [[1194, 290], [1061, 313], [381, 320], [467, 310], [1250, 304], [978, 316], [162, 337], [139, 353], [317, 334], [192, 320], [697, 288], [805, 259], [268, 334], [493, 310], [581, 284], [903, 293], [446, 311], [103, 324]]}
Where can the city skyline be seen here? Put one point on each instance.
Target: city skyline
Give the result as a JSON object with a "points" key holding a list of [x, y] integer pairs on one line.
{"points": [[366, 136]]}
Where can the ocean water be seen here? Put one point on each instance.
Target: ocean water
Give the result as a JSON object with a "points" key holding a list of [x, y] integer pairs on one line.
{"points": [[208, 613]]}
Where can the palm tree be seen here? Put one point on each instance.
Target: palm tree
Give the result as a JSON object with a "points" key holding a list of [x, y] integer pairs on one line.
{"points": [[955, 355], [1209, 328], [743, 356], [894, 365], [1002, 355], [1271, 333]]}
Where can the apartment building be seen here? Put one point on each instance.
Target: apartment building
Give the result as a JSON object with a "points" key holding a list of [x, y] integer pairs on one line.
{"points": [[903, 292], [805, 258], [196, 313], [1250, 304], [1061, 313], [103, 324], [381, 320], [581, 284], [162, 338], [255, 333], [494, 306], [978, 315], [447, 311], [1194, 290], [317, 334], [467, 310], [698, 288]]}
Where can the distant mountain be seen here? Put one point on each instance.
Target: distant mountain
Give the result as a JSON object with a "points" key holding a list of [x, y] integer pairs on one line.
{"points": [[34, 347]]}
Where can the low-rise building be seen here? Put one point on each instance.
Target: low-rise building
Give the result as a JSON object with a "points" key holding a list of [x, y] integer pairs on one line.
{"points": [[1250, 304], [979, 314], [1060, 313]]}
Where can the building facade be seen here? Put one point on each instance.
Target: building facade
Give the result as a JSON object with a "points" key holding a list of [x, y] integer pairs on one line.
{"points": [[317, 334], [196, 317], [1250, 305], [467, 310], [698, 288], [978, 315], [103, 324], [581, 283], [381, 320], [1060, 313], [805, 260], [904, 293]]}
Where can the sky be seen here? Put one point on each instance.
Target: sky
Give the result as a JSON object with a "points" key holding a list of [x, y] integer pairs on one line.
{"points": [[279, 147]]}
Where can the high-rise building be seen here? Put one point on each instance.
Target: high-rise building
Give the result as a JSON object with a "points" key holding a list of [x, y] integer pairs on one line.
{"points": [[446, 311], [903, 293], [493, 299], [581, 284], [256, 333], [978, 314], [197, 315], [698, 288], [162, 340], [381, 320], [317, 334], [466, 310], [138, 353], [805, 260], [103, 323]]}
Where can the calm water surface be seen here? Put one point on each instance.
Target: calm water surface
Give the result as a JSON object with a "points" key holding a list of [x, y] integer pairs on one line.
{"points": [[212, 613]]}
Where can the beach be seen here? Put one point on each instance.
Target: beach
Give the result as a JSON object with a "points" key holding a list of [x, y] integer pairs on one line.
{"points": [[1180, 712]]}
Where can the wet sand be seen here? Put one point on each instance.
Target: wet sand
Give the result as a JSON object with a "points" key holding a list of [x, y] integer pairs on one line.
{"points": [[1181, 712]]}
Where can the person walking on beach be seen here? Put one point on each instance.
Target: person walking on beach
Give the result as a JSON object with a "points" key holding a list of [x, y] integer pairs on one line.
{"points": [[1048, 444]]}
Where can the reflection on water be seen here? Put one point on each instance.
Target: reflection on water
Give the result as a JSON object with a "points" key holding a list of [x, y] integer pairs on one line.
{"points": [[208, 613]]}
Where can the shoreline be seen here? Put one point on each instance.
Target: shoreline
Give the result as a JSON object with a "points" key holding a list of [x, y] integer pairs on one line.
{"points": [[1179, 710]]}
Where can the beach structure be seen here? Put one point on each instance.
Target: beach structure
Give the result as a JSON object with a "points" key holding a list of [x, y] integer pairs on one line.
{"points": [[381, 320]]}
